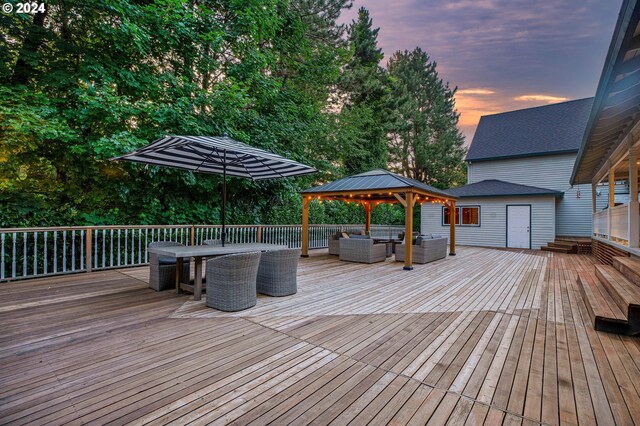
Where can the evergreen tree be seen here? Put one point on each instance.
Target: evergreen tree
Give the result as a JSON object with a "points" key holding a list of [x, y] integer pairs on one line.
{"points": [[363, 92], [424, 141]]}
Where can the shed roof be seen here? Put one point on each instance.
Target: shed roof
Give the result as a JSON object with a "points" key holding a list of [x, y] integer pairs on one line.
{"points": [[549, 129], [376, 180], [499, 188]]}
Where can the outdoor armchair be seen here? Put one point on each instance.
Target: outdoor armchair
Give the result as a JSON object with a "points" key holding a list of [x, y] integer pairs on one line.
{"points": [[362, 250], [278, 272], [213, 242], [428, 250], [162, 269], [231, 281]]}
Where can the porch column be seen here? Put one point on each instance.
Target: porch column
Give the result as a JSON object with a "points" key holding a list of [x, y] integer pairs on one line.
{"points": [[612, 197], [452, 228], [633, 212], [594, 194], [408, 232], [305, 226]]}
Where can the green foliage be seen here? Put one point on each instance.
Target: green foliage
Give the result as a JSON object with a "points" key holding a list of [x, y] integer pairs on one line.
{"points": [[425, 143], [91, 80], [363, 92]]}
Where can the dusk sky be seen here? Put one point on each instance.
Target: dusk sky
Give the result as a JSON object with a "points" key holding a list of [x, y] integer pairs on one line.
{"points": [[502, 54]]}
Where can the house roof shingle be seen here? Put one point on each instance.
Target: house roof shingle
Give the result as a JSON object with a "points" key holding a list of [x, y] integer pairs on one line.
{"points": [[499, 188], [550, 129]]}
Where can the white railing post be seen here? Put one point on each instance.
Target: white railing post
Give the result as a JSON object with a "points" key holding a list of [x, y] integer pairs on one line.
{"points": [[633, 215], [612, 197]]}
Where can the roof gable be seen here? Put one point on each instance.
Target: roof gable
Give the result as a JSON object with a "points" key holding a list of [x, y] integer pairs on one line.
{"points": [[550, 129]]}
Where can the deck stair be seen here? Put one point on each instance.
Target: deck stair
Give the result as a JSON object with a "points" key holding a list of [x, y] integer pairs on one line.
{"points": [[561, 247], [612, 296]]}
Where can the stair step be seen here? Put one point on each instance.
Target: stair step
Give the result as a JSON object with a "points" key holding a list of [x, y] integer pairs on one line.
{"points": [[555, 249], [629, 267], [566, 244], [624, 292], [569, 247], [602, 308]]}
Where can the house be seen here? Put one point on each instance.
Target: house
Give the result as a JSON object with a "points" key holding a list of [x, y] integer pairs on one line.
{"points": [[519, 192]]}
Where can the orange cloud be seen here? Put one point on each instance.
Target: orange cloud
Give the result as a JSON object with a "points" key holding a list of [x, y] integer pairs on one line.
{"points": [[476, 91], [540, 98]]}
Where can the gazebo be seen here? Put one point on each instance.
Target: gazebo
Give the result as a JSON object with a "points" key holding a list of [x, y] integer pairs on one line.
{"points": [[378, 187]]}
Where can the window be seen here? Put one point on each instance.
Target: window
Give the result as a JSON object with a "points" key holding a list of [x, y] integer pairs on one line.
{"points": [[470, 216], [446, 217]]}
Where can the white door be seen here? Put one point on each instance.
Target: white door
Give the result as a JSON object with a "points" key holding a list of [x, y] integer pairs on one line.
{"points": [[519, 226]]}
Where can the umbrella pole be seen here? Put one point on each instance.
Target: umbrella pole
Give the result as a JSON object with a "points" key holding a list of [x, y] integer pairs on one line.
{"points": [[224, 198]]}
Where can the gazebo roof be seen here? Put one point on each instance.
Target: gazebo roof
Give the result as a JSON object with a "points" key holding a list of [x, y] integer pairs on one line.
{"points": [[382, 184]]}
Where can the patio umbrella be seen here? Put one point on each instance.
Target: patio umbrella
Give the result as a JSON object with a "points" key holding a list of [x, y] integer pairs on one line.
{"points": [[219, 155]]}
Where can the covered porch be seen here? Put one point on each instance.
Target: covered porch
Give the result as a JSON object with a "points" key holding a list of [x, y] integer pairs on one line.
{"points": [[619, 222], [610, 151]]}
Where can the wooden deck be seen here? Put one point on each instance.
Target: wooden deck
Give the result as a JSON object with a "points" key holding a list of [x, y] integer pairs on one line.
{"points": [[488, 336]]}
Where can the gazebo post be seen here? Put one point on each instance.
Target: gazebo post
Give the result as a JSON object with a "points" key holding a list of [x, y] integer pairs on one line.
{"points": [[408, 232], [452, 228], [367, 221], [305, 226]]}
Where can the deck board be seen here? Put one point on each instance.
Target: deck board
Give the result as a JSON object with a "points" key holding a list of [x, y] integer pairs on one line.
{"points": [[485, 337]]}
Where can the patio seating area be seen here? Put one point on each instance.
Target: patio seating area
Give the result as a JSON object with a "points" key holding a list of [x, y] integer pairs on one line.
{"points": [[488, 336]]}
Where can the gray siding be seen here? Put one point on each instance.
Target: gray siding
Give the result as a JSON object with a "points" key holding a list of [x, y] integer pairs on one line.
{"points": [[492, 231], [573, 212]]}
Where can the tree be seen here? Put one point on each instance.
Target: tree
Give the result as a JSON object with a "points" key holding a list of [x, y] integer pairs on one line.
{"points": [[363, 91], [424, 141], [88, 81]]}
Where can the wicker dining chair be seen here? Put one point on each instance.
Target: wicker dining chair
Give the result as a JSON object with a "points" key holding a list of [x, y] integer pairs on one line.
{"points": [[231, 283], [278, 272], [162, 269]]}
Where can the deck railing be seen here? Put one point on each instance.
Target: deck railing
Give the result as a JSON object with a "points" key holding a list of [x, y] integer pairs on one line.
{"points": [[618, 230], [620, 222], [37, 252], [601, 224]]}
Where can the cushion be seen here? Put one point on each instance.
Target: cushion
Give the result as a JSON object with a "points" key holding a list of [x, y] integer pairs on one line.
{"points": [[436, 236], [344, 235], [418, 241], [359, 237], [166, 260]]}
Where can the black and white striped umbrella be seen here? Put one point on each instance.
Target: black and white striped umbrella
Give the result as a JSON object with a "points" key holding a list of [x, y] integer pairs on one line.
{"points": [[218, 155]]}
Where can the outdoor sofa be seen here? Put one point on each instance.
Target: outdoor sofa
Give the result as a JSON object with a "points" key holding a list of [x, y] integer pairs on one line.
{"points": [[426, 249], [362, 250], [334, 241]]}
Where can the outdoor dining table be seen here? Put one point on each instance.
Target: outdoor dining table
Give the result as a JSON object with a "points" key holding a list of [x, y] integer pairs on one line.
{"points": [[199, 252]]}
